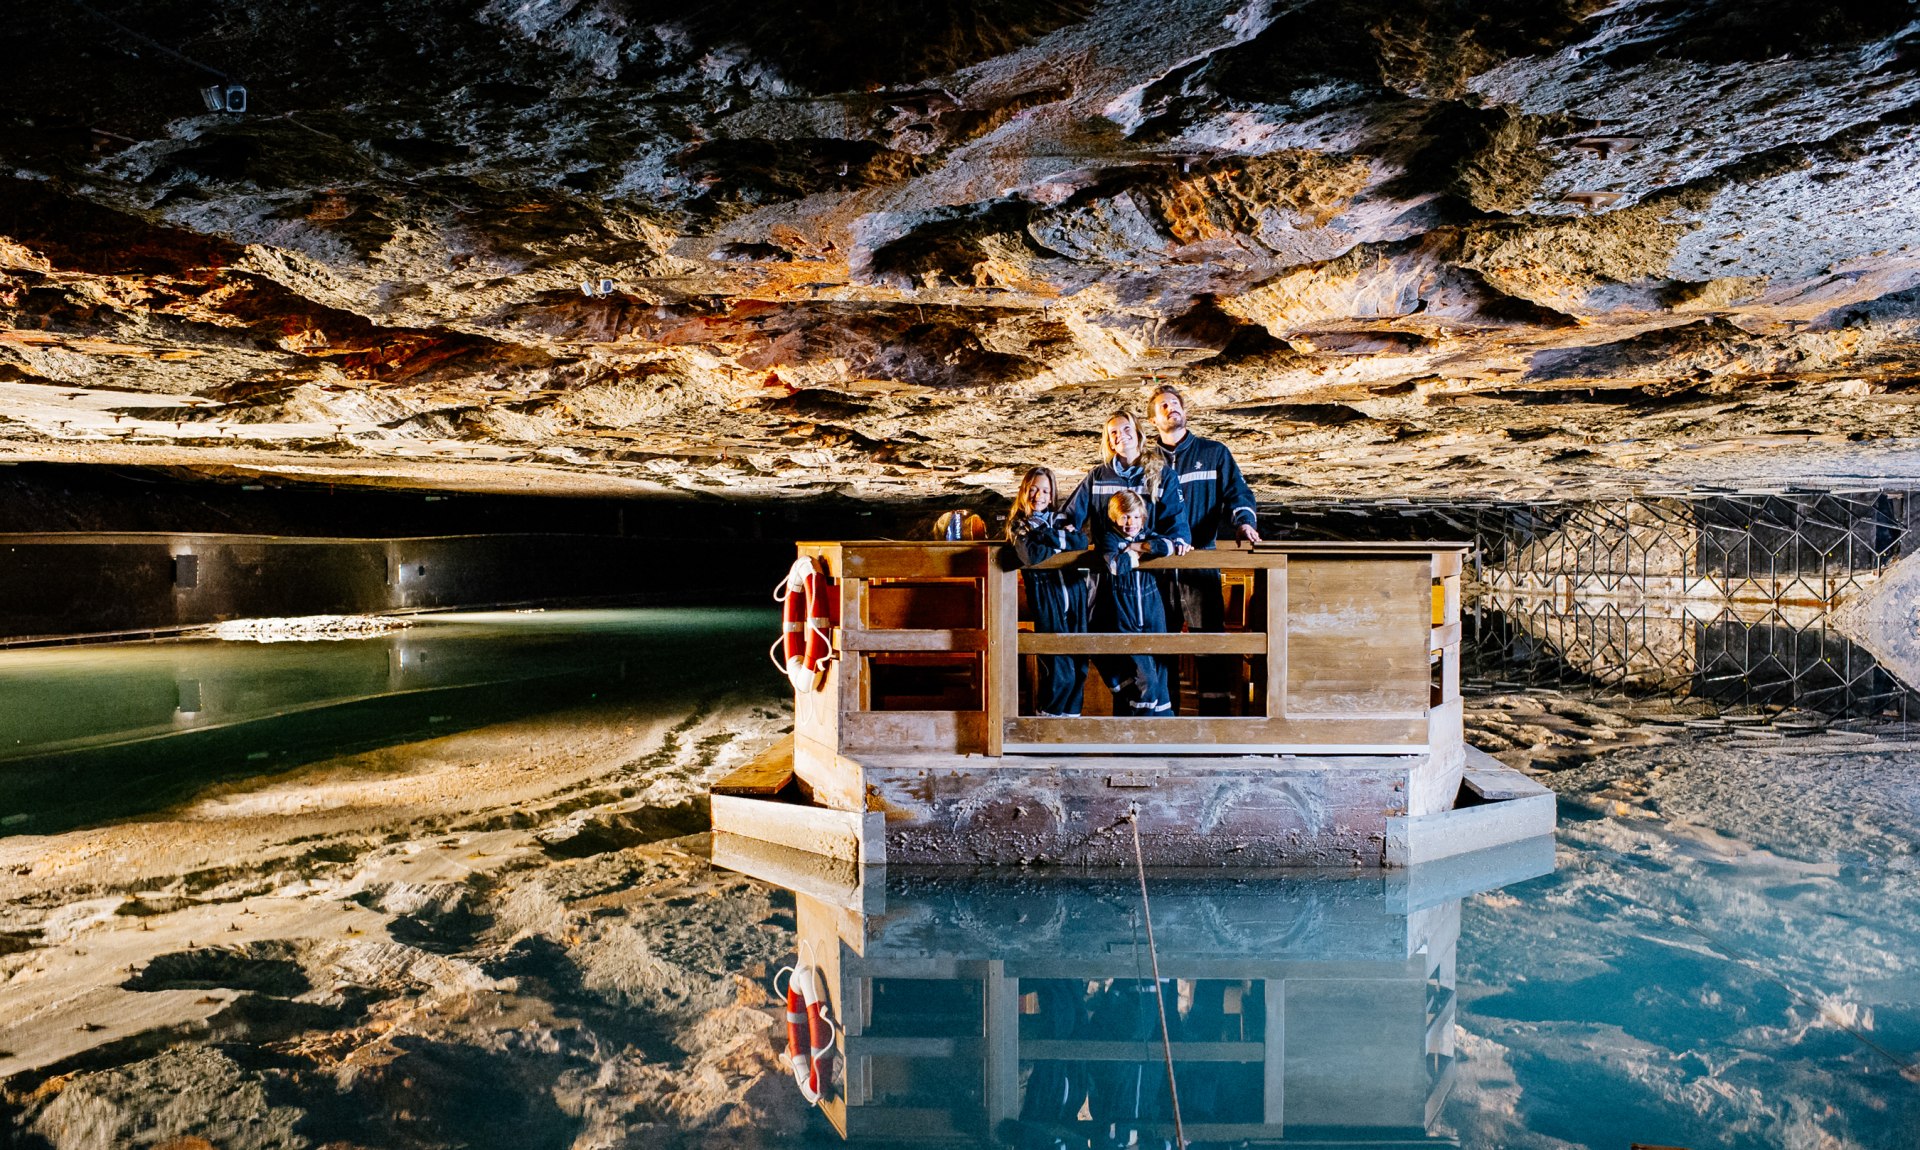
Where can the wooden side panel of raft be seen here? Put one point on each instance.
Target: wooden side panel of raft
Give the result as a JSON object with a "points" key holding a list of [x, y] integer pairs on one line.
{"points": [[1304, 811]]}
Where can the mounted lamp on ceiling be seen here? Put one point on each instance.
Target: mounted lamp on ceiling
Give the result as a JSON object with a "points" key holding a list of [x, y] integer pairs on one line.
{"points": [[225, 97]]}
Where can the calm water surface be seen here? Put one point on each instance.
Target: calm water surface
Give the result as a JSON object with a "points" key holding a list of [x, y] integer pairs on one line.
{"points": [[1658, 987], [141, 725], [1727, 956]]}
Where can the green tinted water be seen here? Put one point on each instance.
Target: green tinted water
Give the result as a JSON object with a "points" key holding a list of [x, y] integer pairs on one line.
{"points": [[96, 732]]}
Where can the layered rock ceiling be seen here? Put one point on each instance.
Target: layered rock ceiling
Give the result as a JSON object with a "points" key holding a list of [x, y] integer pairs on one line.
{"points": [[891, 248]]}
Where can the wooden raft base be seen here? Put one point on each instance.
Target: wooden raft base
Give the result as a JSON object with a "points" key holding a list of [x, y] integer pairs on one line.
{"points": [[1193, 810]]}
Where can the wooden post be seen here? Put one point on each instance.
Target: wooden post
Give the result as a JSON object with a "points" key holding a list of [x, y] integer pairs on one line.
{"points": [[1274, 1056], [1277, 640], [854, 678], [1003, 653], [1002, 1093]]}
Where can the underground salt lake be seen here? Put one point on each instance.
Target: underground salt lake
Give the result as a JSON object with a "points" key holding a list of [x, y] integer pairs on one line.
{"points": [[449, 886]]}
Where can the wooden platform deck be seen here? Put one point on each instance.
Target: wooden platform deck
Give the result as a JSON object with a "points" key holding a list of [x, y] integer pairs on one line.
{"points": [[1345, 714]]}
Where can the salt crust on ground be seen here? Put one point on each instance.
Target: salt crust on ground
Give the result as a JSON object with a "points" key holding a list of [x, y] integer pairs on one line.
{"points": [[306, 628]]}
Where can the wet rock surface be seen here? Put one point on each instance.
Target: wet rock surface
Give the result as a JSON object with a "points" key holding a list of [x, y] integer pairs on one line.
{"points": [[890, 251]]}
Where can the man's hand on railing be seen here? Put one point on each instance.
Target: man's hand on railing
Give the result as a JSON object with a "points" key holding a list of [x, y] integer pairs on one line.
{"points": [[1181, 546]]}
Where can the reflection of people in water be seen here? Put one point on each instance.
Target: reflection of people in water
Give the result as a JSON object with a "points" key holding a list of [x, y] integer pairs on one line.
{"points": [[1120, 1098]]}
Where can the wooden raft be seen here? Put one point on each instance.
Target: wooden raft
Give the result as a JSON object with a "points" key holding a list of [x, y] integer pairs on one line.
{"points": [[1350, 711]]}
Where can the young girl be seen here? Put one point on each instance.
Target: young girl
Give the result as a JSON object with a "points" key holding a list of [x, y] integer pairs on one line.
{"points": [[1058, 597], [1132, 604]]}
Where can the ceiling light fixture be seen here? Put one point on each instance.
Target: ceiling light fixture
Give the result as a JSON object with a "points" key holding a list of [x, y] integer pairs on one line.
{"points": [[226, 96]]}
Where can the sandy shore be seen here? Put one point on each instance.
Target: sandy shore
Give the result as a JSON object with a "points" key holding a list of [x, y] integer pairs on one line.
{"points": [[408, 947]]}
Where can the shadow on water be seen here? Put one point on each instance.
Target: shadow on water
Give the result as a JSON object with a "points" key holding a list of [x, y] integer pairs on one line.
{"points": [[96, 733]]}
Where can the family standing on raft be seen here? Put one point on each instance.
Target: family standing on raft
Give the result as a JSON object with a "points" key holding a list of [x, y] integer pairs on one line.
{"points": [[1144, 500]]}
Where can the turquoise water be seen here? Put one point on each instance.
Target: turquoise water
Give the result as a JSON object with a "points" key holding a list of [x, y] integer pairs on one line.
{"points": [[1661, 986], [103, 731], [1744, 975]]}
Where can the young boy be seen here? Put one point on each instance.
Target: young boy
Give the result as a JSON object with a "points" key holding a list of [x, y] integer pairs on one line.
{"points": [[1131, 603]]}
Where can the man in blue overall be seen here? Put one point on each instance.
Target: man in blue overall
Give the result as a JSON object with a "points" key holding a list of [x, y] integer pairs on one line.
{"points": [[1218, 495]]}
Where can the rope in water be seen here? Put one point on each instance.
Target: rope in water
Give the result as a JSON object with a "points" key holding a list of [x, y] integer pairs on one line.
{"points": [[1159, 996]]}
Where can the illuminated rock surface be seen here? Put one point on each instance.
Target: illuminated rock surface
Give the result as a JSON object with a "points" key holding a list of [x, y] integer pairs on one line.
{"points": [[889, 250]]}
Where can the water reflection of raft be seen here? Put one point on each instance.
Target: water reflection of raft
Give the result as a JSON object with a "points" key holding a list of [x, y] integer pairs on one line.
{"points": [[1344, 746], [1014, 1009]]}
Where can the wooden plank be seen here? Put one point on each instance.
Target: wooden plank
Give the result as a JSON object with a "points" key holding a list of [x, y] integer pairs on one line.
{"points": [[1002, 1025], [1357, 636], [1134, 643], [1277, 645], [923, 561], [1003, 655], [1449, 675], [827, 553], [1444, 637], [816, 714], [958, 732], [1140, 1050], [1381, 735], [854, 595], [910, 1046], [1240, 556], [971, 639], [1447, 563], [764, 774], [1493, 780], [852, 676], [827, 778], [835, 834], [1235, 969], [817, 925], [1274, 1072], [841, 882]]}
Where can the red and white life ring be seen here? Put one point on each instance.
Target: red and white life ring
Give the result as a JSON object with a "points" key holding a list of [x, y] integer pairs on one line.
{"points": [[804, 650], [809, 1033]]}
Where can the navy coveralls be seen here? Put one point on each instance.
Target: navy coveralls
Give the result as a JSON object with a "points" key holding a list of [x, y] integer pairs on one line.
{"points": [[1166, 515], [1216, 496], [1060, 605], [1166, 519], [1132, 604]]}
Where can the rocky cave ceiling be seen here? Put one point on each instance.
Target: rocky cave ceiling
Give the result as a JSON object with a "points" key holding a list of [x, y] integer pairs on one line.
{"points": [[898, 248]]}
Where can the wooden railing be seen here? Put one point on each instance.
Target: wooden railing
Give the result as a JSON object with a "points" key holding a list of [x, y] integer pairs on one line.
{"points": [[1356, 647]]}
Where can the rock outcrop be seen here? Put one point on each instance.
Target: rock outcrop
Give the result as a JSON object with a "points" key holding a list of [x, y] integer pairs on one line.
{"points": [[888, 250]]}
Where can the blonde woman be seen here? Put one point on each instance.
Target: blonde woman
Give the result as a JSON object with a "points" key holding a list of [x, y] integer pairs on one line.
{"points": [[1130, 465]]}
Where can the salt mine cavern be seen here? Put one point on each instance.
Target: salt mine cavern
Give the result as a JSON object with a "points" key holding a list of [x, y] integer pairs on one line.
{"points": [[1036, 574]]}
